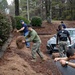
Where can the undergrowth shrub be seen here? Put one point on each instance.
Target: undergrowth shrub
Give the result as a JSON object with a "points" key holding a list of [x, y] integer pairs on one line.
{"points": [[68, 17], [36, 21], [5, 27]]}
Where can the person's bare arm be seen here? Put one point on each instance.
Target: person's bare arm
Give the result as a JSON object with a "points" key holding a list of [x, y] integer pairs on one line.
{"points": [[21, 29], [64, 58], [71, 64], [63, 63]]}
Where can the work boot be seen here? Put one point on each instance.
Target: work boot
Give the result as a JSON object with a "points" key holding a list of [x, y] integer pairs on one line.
{"points": [[43, 59]]}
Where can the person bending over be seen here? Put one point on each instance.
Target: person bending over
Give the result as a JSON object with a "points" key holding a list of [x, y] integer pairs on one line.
{"points": [[65, 60], [33, 37]]}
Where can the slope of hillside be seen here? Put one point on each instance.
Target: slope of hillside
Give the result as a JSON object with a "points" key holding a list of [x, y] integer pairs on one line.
{"points": [[18, 61]]}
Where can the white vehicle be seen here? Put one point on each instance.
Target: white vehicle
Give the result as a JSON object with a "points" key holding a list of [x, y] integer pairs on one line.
{"points": [[51, 43]]}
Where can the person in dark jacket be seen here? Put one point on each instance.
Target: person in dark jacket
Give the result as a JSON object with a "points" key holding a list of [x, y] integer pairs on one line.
{"points": [[62, 23], [25, 29]]}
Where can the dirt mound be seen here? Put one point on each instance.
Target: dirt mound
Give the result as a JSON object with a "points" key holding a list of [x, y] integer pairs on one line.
{"points": [[19, 42], [13, 64], [18, 61]]}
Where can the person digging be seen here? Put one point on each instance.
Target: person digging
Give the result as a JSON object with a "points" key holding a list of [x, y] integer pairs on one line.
{"points": [[33, 37]]}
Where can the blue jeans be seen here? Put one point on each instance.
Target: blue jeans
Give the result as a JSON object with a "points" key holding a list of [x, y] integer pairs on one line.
{"points": [[27, 43]]}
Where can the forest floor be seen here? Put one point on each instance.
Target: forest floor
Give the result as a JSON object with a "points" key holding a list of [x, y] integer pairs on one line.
{"points": [[18, 61]]}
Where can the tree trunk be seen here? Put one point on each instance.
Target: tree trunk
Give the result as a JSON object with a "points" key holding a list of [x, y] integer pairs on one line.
{"points": [[48, 10], [16, 7]]}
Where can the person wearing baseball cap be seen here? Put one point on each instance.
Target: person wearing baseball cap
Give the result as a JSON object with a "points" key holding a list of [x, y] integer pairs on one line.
{"points": [[25, 30]]}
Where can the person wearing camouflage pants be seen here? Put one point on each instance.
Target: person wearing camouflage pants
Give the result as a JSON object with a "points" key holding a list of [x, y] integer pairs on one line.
{"points": [[62, 47], [36, 48], [33, 37], [61, 39]]}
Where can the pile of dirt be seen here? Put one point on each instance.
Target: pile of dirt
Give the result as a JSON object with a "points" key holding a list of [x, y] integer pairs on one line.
{"points": [[18, 61]]}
